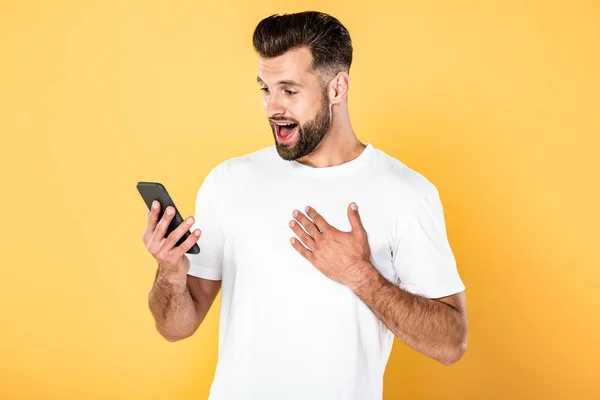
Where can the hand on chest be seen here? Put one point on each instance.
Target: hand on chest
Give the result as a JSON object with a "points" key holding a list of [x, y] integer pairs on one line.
{"points": [[263, 239]]}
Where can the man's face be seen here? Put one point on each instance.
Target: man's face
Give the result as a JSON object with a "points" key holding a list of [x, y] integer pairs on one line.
{"points": [[295, 103]]}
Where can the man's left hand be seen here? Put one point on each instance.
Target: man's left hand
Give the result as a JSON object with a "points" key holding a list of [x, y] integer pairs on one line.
{"points": [[341, 256]]}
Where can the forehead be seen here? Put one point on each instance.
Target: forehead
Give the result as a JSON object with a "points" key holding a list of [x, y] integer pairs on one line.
{"points": [[294, 65]]}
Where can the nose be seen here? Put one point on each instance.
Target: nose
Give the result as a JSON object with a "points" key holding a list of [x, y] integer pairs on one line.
{"points": [[273, 106]]}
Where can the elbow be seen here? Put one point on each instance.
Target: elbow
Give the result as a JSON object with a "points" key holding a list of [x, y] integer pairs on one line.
{"points": [[173, 339], [170, 337], [456, 349], [454, 354]]}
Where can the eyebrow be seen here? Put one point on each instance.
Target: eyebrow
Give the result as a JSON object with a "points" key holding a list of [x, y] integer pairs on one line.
{"points": [[288, 82]]}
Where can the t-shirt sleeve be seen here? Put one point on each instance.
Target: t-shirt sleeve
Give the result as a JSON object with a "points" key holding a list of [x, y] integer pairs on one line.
{"points": [[422, 258], [208, 264]]}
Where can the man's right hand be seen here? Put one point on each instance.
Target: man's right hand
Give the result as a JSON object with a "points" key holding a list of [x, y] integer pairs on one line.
{"points": [[172, 262]]}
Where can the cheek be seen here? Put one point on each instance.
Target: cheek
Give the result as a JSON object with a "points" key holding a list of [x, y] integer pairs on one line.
{"points": [[303, 111], [308, 116], [315, 105]]}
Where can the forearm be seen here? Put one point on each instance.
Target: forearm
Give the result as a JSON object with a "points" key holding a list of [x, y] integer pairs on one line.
{"points": [[173, 308], [428, 326]]}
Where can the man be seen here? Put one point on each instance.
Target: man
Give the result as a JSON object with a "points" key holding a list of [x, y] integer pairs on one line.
{"points": [[314, 289]]}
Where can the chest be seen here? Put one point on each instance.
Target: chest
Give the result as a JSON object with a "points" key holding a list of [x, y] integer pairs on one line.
{"points": [[258, 235]]}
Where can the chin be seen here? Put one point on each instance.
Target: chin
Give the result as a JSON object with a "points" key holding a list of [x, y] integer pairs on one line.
{"points": [[287, 151]]}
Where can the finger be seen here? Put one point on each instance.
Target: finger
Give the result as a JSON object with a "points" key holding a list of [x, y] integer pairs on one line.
{"points": [[306, 253], [307, 224], [318, 219], [304, 237], [174, 236], [152, 220], [187, 244], [354, 217], [161, 228]]}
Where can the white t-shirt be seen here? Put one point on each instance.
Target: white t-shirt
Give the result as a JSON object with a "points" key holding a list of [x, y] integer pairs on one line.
{"points": [[287, 331]]}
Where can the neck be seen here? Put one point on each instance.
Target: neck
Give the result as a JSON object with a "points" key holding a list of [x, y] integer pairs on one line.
{"points": [[340, 145]]}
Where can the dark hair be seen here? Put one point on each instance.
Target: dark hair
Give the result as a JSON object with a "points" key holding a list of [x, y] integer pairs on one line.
{"points": [[328, 40]]}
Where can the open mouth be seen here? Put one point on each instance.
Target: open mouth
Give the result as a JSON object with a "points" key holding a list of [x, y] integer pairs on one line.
{"points": [[285, 130]]}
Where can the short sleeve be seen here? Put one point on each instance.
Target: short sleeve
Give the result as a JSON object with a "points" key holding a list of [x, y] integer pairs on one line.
{"points": [[208, 264], [422, 258]]}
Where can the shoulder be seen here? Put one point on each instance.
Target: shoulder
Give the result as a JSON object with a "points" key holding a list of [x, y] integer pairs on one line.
{"points": [[231, 176], [402, 181], [241, 167]]}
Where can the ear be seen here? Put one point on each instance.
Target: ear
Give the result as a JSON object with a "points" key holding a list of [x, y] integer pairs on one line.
{"points": [[338, 87]]}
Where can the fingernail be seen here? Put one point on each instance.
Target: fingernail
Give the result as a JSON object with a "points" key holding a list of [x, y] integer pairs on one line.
{"points": [[353, 206], [169, 211], [154, 204], [189, 220], [295, 213]]}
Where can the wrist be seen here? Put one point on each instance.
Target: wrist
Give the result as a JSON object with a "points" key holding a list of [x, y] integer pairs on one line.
{"points": [[173, 279], [366, 276]]}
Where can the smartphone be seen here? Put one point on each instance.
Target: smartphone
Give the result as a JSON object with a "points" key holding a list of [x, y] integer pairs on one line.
{"points": [[151, 191]]}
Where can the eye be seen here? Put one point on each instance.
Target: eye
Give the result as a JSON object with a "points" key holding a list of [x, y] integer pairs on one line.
{"points": [[264, 89], [290, 92]]}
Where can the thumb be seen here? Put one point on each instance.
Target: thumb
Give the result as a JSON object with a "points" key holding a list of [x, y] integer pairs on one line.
{"points": [[354, 218]]}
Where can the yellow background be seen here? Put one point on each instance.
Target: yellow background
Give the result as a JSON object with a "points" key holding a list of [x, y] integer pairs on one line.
{"points": [[497, 103]]}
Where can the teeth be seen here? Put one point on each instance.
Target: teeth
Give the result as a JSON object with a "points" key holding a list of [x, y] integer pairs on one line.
{"points": [[284, 124]]}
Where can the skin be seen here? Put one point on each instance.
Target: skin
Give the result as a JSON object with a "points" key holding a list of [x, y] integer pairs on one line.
{"points": [[178, 302], [294, 92]]}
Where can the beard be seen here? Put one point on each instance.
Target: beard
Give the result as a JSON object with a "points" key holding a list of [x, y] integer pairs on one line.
{"points": [[309, 134]]}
